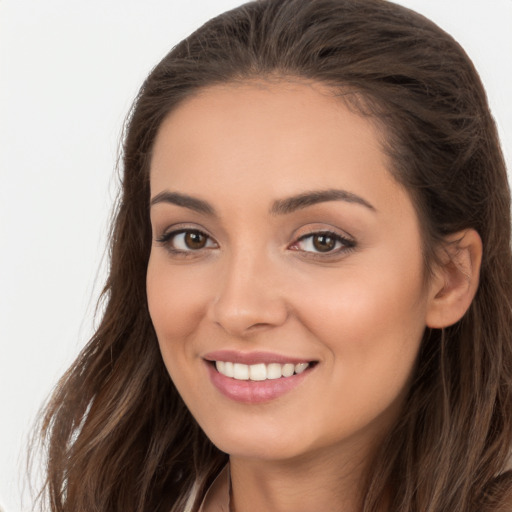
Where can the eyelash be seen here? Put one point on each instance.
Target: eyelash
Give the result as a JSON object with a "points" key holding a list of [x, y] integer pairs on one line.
{"points": [[167, 241], [342, 244]]}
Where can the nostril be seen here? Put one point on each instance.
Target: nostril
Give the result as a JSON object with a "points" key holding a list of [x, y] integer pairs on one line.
{"points": [[258, 325]]}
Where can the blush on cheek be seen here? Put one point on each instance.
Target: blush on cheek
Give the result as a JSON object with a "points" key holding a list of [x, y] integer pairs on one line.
{"points": [[174, 307]]}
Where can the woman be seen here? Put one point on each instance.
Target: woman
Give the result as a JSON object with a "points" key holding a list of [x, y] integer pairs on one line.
{"points": [[308, 305]]}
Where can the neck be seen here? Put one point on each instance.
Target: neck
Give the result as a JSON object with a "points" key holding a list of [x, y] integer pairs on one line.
{"points": [[319, 481]]}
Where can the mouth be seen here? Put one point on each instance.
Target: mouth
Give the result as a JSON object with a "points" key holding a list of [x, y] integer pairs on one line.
{"points": [[261, 371], [256, 377]]}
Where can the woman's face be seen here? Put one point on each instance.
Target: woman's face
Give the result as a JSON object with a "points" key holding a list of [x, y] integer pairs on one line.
{"points": [[285, 250]]}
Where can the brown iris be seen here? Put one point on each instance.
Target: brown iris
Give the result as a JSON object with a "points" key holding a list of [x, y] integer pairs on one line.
{"points": [[324, 243], [195, 240]]}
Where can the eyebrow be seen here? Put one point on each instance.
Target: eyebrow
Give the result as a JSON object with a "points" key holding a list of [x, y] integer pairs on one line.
{"points": [[279, 207], [192, 203], [294, 203]]}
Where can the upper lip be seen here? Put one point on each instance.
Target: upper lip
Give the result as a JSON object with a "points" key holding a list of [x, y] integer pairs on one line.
{"points": [[249, 358]]}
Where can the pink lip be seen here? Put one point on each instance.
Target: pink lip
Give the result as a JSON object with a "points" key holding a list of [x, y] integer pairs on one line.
{"points": [[254, 392], [251, 357]]}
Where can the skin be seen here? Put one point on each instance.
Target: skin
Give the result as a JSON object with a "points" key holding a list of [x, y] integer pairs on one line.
{"points": [[359, 310]]}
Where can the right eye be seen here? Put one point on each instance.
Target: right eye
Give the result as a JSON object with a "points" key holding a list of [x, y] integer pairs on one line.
{"points": [[186, 241]]}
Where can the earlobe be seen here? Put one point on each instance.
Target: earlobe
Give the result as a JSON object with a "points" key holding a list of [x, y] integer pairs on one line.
{"points": [[456, 278]]}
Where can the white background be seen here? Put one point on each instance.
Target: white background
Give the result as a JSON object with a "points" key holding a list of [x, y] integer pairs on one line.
{"points": [[69, 70]]}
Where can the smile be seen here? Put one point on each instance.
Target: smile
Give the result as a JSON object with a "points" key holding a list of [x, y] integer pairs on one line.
{"points": [[256, 377], [260, 371]]}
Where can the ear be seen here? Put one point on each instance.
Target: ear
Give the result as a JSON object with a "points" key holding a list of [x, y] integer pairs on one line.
{"points": [[455, 280]]}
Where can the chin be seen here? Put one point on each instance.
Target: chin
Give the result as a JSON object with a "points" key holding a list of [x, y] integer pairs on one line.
{"points": [[263, 444]]}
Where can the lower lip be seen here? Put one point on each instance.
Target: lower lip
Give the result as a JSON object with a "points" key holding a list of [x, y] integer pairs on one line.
{"points": [[255, 392]]}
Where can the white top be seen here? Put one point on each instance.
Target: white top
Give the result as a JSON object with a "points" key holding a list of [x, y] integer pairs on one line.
{"points": [[216, 498]]}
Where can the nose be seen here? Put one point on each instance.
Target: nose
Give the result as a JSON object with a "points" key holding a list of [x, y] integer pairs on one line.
{"points": [[249, 296]]}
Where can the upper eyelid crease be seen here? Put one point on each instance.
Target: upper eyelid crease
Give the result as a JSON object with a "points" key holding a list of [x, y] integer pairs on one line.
{"points": [[347, 242], [174, 232], [338, 236]]}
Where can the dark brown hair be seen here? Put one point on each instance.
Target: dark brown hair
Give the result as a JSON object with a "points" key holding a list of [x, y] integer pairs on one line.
{"points": [[117, 433]]}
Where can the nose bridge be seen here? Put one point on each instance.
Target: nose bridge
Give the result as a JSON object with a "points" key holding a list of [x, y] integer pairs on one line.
{"points": [[248, 295]]}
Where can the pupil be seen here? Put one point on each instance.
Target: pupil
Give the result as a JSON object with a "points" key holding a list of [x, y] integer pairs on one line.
{"points": [[195, 240], [324, 243]]}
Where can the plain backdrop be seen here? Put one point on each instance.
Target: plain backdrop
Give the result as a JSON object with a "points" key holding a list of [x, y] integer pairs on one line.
{"points": [[69, 70]]}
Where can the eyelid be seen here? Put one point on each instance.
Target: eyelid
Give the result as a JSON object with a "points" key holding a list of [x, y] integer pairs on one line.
{"points": [[165, 240], [173, 229], [347, 242]]}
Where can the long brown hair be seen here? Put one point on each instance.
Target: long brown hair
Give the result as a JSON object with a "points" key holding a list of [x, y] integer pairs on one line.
{"points": [[118, 435]]}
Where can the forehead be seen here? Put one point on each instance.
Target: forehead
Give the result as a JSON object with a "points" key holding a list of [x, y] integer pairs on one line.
{"points": [[274, 138]]}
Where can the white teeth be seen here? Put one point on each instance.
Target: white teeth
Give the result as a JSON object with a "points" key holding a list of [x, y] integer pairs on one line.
{"points": [[259, 372], [274, 371], [229, 371], [299, 368], [288, 369], [240, 371]]}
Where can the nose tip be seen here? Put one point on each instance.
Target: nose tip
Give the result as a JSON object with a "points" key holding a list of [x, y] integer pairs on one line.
{"points": [[241, 320], [247, 303]]}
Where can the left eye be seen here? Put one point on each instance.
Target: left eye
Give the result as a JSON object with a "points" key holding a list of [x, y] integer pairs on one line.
{"points": [[322, 242]]}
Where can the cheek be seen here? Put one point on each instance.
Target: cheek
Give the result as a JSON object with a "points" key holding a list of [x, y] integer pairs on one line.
{"points": [[176, 303], [372, 330], [176, 306], [175, 300], [371, 322], [365, 300]]}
